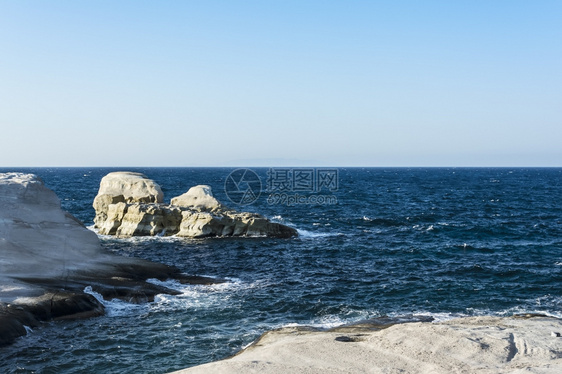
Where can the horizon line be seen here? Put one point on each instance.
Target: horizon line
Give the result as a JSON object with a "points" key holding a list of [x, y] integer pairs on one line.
{"points": [[295, 166]]}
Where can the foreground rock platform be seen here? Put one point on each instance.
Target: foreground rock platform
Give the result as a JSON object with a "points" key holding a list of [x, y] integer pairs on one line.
{"points": [[130, 204], [48, 258], [483, 345]]}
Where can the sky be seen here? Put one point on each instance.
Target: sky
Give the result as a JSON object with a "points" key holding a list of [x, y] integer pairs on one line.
{"points": [[280, 83]]}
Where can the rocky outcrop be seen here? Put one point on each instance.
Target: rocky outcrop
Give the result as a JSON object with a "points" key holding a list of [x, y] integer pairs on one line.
{"points": [[48, 258], [126, 187], [194, 214], [473, 345], [36, 235]]}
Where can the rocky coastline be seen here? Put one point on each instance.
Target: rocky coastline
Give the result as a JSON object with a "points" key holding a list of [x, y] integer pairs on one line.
{"points": [[48, 258], [472, 345]]}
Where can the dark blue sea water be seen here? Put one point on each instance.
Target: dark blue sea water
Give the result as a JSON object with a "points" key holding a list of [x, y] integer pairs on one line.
{"points": [[442, 242]]}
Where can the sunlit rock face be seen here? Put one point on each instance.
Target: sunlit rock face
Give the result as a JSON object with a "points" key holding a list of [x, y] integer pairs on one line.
{"points": [[133, 207], [36, 236], [126, 187]]}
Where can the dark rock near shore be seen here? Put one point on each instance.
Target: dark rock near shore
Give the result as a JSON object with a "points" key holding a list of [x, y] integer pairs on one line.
{"points": [[65, 298], [30, 312]]}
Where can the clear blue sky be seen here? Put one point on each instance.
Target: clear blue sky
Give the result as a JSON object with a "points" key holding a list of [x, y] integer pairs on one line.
{"points": [[342, 83]]}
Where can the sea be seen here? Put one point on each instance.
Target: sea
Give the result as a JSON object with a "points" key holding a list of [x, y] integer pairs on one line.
{"points": [[433, 242]]}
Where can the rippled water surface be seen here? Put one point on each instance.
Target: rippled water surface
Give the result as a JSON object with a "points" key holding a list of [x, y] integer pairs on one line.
{"points": [[439, 242]]}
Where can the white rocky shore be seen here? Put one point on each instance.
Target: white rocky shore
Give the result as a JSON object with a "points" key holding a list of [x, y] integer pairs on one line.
{"points": [[48, 258], [483, 345], [130, 204]]}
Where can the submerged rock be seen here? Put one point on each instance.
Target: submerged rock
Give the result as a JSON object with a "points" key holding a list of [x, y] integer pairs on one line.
{"points": [[48, 258], [196, 213]]}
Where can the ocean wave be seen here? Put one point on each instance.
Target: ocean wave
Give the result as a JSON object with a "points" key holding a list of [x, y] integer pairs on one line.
{"points": [[361, 316], [190, 297], [437, 316], [305, 234], [277, 218], [378, 221], [140, 239], [350, 316], [116, 307], [198, 297]]}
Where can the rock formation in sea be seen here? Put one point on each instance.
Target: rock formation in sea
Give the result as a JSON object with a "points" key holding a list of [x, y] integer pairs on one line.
{"points": [[48, 258], [130, 204]]}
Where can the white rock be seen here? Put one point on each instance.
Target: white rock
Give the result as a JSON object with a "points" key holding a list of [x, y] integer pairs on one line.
{"points": [[124, 186], [198, 197], [132, 207], [38, 238], [479, 345], [134, 187]]}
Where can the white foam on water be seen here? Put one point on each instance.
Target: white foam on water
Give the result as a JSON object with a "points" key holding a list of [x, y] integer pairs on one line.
{"points": [[324, 323], [327, 323], [194, 297], [331, 321], [197, 297], [437, 317], [305, 234], [472, 312], [178, 286], [150, 239], [140, 239], [161, 238], [116, 307], [525, 310], [92, 228]]}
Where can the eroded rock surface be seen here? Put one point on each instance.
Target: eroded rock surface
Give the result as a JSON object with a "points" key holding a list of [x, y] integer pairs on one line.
{"points": [[196, 213], [472, 345], [126, 187]]}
